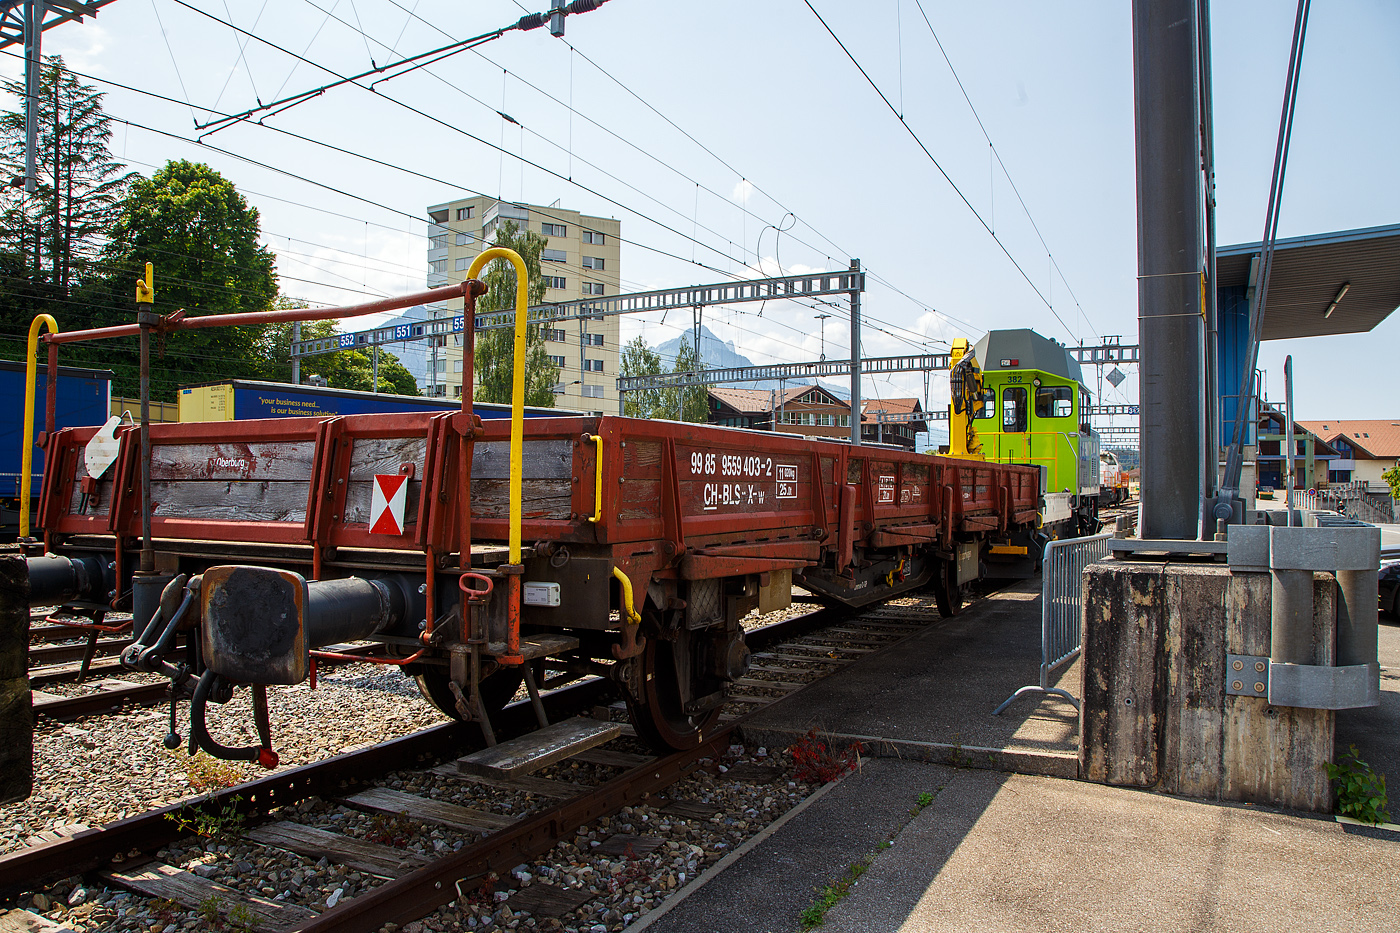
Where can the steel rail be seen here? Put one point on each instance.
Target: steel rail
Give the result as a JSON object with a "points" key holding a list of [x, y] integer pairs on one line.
{"points": [[94, 848]]}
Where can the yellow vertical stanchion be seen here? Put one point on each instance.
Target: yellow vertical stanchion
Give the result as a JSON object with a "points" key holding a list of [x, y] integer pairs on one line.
{"points": [[517, 431], [27, 454]]}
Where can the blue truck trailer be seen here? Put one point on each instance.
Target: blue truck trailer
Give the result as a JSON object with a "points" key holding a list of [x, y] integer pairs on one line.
{"points": [[84, 398], [247, 399]]}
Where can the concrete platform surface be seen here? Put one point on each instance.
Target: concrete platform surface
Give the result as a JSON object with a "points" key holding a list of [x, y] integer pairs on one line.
{"points": [[938, 690], [1009, 852]]}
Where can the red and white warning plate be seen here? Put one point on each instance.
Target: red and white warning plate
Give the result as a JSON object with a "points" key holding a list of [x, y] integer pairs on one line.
{"points": [[386, 504]]}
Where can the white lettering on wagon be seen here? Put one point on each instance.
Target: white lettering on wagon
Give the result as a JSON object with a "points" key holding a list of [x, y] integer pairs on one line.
{"points": [[787, 481], [718, 494], [884, 491], [241, 464]]}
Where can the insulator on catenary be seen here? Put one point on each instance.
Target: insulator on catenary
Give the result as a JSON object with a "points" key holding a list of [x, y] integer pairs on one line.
{"points": [[583, 6], [530, 21]]}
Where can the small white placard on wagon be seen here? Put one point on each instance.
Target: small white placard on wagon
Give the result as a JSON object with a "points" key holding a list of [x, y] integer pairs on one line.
{"points": [[101, 451], [787, 481], [386, 503]]}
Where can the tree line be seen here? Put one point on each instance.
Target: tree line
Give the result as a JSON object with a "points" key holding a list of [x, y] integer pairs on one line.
{"points": [[76, 245]]}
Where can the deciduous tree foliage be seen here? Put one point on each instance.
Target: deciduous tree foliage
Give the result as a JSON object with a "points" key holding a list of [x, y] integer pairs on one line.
{"points": [[201, 235], [638, 359], [343, 369], [495, 349]]}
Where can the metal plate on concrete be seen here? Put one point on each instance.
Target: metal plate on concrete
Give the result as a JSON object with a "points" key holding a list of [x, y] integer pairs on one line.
{"points": [[1246, 676]]}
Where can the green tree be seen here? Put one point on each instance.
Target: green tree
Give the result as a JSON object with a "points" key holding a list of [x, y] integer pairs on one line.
{"points": [[495, 349], [1392, 478], [54, 233], [342, 369], [691, 401], [201, 235], [638, 359]]}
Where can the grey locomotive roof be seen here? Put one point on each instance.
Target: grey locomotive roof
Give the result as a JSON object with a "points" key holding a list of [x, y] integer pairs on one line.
{"points": [[1029, 350]]}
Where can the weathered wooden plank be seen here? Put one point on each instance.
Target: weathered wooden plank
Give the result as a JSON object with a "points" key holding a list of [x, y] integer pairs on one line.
{"points": [[638, 499], [539, 498], [612, 759], [224, 500], [382, 455], [23, 921], [543, 459], [537, 749], [786, 686], [159, 880], [545, 787], [544, 901], [384, 861], [53, 835], [233, 460], [628, 845], [691, 809], [428, 810]]}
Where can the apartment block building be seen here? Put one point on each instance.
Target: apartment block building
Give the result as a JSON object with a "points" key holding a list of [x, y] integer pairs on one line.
{"points": [[580, 260]]}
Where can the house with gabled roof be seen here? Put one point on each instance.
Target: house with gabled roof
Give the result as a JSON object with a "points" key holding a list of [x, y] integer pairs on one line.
{"points": [[891, 421], [1365, 449], [810, 411]]}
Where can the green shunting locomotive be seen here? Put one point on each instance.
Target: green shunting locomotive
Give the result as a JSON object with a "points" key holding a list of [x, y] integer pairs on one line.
{"points": [[1019, 397]]}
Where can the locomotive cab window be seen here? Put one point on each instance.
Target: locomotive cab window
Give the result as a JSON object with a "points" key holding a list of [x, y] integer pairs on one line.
{"points": [[988, 402], [1054, 402], [1013, 409]]}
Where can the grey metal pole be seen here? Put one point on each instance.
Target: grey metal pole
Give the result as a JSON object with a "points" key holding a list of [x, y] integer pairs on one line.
{"points": [[1169, 267], [296, 360], [33, 70], [1290, 446], [855, 359], [1211, 465]]}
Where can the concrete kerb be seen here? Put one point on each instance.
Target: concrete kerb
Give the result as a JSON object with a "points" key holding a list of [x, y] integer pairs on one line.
{"points": [[1016, 761]]}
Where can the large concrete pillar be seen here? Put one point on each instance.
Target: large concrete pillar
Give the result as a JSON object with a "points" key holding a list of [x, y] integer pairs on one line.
{"points": [[1170, 263]]}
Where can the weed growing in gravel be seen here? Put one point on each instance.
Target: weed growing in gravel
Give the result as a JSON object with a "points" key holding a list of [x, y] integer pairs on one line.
{"points": [[241, 919], [924, 800], [202, 819], [818, 763], [206, 773], [390, 829], [210, 909], [1360, 791]]}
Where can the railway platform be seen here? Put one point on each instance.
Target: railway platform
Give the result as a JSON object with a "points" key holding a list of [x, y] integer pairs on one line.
{"points": [[992, 849]]}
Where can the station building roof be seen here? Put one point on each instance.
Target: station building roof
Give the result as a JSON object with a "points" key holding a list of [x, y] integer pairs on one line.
{"points": [[1310, 272]]}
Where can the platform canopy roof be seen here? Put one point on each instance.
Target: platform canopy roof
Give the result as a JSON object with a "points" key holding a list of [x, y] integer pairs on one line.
{"points": [[1362, 266]]}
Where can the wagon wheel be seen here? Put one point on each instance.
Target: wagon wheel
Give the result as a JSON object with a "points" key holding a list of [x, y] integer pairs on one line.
{"points": [[947, 591], [496, 690], [658, 714]]}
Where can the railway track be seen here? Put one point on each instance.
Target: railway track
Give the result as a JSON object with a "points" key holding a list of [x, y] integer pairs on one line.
{"points": [[488, 824]]}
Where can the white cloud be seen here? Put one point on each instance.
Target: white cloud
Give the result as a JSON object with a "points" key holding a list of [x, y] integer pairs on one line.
{"points": [[742, 191]]}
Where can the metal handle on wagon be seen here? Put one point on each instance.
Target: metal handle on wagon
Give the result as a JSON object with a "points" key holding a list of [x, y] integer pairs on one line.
{"points": [[597, 515], [27, 453]]}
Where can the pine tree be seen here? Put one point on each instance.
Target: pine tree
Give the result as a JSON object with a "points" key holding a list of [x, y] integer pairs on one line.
{"points": [[54, 234]]}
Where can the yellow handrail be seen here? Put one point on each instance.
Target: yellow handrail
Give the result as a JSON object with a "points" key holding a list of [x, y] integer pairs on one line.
{"points": [[597, 515], [517, 390], [27, 454], [628, 609]]}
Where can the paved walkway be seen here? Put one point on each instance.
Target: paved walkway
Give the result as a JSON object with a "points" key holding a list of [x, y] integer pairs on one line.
{"points": [[996, 851]]}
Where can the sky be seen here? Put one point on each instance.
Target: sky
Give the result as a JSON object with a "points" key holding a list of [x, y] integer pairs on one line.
{"points": [[738, 139]]}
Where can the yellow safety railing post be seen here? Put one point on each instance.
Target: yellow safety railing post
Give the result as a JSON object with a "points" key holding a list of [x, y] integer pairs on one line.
{"points": [[517, 432], [27, 454]]}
